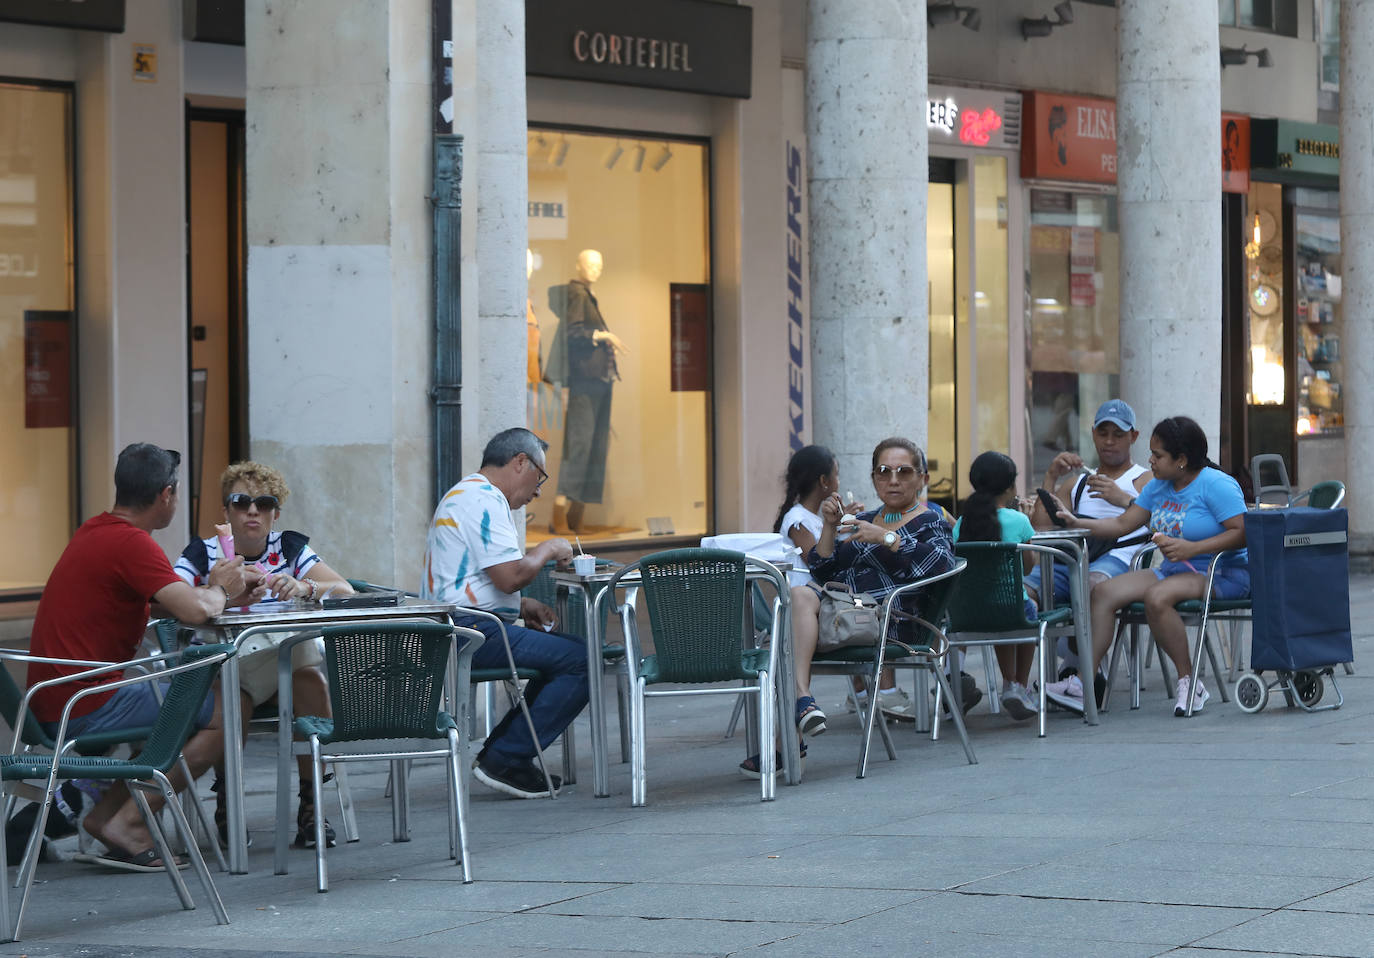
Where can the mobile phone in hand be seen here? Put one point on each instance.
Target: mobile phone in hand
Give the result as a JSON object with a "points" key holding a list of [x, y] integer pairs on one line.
{"points": [[1051, 506]]}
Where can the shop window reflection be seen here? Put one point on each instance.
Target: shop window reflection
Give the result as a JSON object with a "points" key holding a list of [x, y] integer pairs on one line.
{"points": [[619, 360]]}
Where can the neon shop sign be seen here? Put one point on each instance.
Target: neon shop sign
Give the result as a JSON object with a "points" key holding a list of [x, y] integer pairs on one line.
{"points": [[975, 117]]}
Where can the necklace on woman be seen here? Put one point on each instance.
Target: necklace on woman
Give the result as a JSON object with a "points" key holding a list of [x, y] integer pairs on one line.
{"points": [[890, 517]]}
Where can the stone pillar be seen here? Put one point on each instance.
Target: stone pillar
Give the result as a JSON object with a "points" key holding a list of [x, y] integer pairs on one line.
{"points": [[1168, 109], [338, 273], [866, 130], [1357, 267], [502, 233]]}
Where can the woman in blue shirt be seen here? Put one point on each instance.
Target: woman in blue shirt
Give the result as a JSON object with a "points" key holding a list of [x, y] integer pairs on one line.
{"points": [[1194, 511]]}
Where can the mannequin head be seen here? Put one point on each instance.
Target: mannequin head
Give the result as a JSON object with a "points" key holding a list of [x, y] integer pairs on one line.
{"points": [[589, 266], [529, 263]]}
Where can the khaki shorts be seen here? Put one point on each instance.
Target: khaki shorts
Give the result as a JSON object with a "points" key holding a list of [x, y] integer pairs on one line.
{"points": [[258, 670]]}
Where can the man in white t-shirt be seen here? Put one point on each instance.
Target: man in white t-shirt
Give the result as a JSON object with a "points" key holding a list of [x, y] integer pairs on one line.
{"points": [[1098, 495], [474, 559]]}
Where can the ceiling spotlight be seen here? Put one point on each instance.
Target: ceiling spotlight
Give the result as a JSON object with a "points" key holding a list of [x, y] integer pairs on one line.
{"points": [[1236, 57], [560, 152], [639, 157], [537, 144], [615, 156], [660, 161], [949, 12], [1044, 26]]}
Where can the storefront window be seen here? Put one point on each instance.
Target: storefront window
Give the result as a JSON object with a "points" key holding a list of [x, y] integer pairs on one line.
{"points": [[37, 338], [1319, 324], [990, 313], [619, 367], [1264, 295], [1074, 321]]}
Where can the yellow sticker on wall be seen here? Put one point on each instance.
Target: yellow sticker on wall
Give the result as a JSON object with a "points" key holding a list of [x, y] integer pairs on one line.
{"points": [[145, 62]]}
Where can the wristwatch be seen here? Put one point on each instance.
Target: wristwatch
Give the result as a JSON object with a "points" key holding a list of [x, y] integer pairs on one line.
{"points": [[890, 539]]}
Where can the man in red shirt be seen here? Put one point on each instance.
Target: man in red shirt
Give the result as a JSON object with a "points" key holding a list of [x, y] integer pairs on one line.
{"points": [[95, 606]]}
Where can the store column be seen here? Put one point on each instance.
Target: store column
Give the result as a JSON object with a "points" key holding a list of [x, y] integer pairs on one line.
{"points": [[502, 227], [338, 277], [1357, 249], [866, 130], [1168, 174]]}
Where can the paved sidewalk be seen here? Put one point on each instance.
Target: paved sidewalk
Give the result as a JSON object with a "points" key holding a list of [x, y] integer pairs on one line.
{"points": [[1223, 836]]}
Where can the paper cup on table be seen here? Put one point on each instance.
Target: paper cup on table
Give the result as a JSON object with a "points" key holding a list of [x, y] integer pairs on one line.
{"points": [[584, 564]]}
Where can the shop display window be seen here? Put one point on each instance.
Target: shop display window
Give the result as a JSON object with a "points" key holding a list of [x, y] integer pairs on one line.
{"points": [[37, 335], [1319, 323], [1074, 323], [619, 372]]}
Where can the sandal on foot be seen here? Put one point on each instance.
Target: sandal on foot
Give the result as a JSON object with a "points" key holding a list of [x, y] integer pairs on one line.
{"points": [[145, 861], [749, 768], [810, 718]]}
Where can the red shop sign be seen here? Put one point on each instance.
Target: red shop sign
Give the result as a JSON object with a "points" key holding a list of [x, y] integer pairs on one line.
{"points": [[1068, 138], [1235, 153]]}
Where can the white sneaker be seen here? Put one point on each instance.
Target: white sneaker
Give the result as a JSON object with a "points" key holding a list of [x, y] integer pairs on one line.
{"points": [[1018, 702], [896, 704], [1067, 694], [1200, 697]]}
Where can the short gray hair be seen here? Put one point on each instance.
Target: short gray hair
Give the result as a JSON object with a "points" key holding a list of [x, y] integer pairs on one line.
{"points": [[509, 443]]}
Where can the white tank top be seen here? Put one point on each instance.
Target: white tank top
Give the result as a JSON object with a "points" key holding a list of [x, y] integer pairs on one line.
{"points": [[1095, 507]]}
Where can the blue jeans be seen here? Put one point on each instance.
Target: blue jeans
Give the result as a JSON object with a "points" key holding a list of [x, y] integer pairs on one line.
{"points": [[130, 707], [1108, 565], [553, 702]]}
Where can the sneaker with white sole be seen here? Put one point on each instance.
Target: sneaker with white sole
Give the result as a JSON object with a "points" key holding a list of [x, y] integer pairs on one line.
{"points": [[896, 704], [1200, 697], [1018, 702], [1066, 694]]}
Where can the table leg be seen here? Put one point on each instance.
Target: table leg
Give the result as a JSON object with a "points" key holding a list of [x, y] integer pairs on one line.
{"points": [[1082, 627], [285, 721], [596, 714], [233, 766], [786, 690]]}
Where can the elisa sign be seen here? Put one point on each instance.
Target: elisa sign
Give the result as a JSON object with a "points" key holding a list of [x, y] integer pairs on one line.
{"points": [[982, 118]]}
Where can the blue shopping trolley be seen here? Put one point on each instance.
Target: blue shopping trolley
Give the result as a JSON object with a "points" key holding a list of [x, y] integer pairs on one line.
{"points": [[1300, 597]]}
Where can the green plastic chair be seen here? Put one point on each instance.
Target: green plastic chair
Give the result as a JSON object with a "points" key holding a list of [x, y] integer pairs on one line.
{"points": [[1202, 612], [1324, 495], [911, 617], [988, 608], [192, 677], [696, 602], [386, 684]]}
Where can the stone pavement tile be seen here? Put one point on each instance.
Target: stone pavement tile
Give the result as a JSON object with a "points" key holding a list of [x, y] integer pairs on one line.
{"points": [[1217, 858], [900, 937], [413, 891], [102, 950], [1142, 883], [1300, 932], [1227, 953], [1357, 898], [799, 903], [601, 857], [878, 861], [1083, 829], [598, 935], [1058, 919]]}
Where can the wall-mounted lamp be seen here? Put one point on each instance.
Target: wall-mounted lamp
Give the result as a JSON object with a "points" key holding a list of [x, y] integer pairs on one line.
{"points": [[949, 11], [560, 152], [661, 160], [1236, 57], [615, 156], [537, 144], [1044, 26], [639, 152]]}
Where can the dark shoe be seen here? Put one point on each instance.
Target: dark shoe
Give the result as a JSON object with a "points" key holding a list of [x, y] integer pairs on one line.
{"points": [[749, 768], [810, 718], [968, 691], [1099, 688], [305, 821], [519, 781], [222, 817]]}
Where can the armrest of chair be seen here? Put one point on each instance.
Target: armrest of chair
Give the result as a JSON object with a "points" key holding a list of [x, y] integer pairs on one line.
{"points": [[890, 603], [1138, 560]]}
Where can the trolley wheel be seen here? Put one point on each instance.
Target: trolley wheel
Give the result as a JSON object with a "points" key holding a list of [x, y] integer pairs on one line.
{"points": [[1251, 692], [1309, 686]]}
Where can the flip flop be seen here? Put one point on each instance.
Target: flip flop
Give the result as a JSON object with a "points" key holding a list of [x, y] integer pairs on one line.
{"points": [[126, 861]]}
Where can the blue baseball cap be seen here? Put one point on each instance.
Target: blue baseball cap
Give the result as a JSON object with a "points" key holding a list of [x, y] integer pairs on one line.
{"points": [[1117, 412]]}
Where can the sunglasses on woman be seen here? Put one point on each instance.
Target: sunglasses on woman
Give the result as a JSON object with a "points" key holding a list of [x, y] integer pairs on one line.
{"points": [[242, 500]]}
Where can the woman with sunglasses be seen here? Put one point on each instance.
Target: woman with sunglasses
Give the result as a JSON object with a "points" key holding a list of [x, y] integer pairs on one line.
{"points": [[280, 566]]}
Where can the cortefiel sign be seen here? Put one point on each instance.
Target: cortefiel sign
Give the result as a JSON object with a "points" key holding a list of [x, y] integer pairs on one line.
{"points": [[695, 46], [104, 15]]}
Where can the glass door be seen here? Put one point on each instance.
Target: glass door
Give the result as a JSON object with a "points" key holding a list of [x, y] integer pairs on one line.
{"points": [[942, 444]]}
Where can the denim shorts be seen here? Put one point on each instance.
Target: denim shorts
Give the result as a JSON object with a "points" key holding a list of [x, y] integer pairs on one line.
{"points": [[1230, 581], [1108, 565], [129, 707]]}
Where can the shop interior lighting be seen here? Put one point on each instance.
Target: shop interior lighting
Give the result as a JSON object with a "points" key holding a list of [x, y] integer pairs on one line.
{"points": [[537, 145], [639, 156], [1236, 57], [1044, 26], [661, 160], [560, 152], [949, 12], [615, 156]]}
